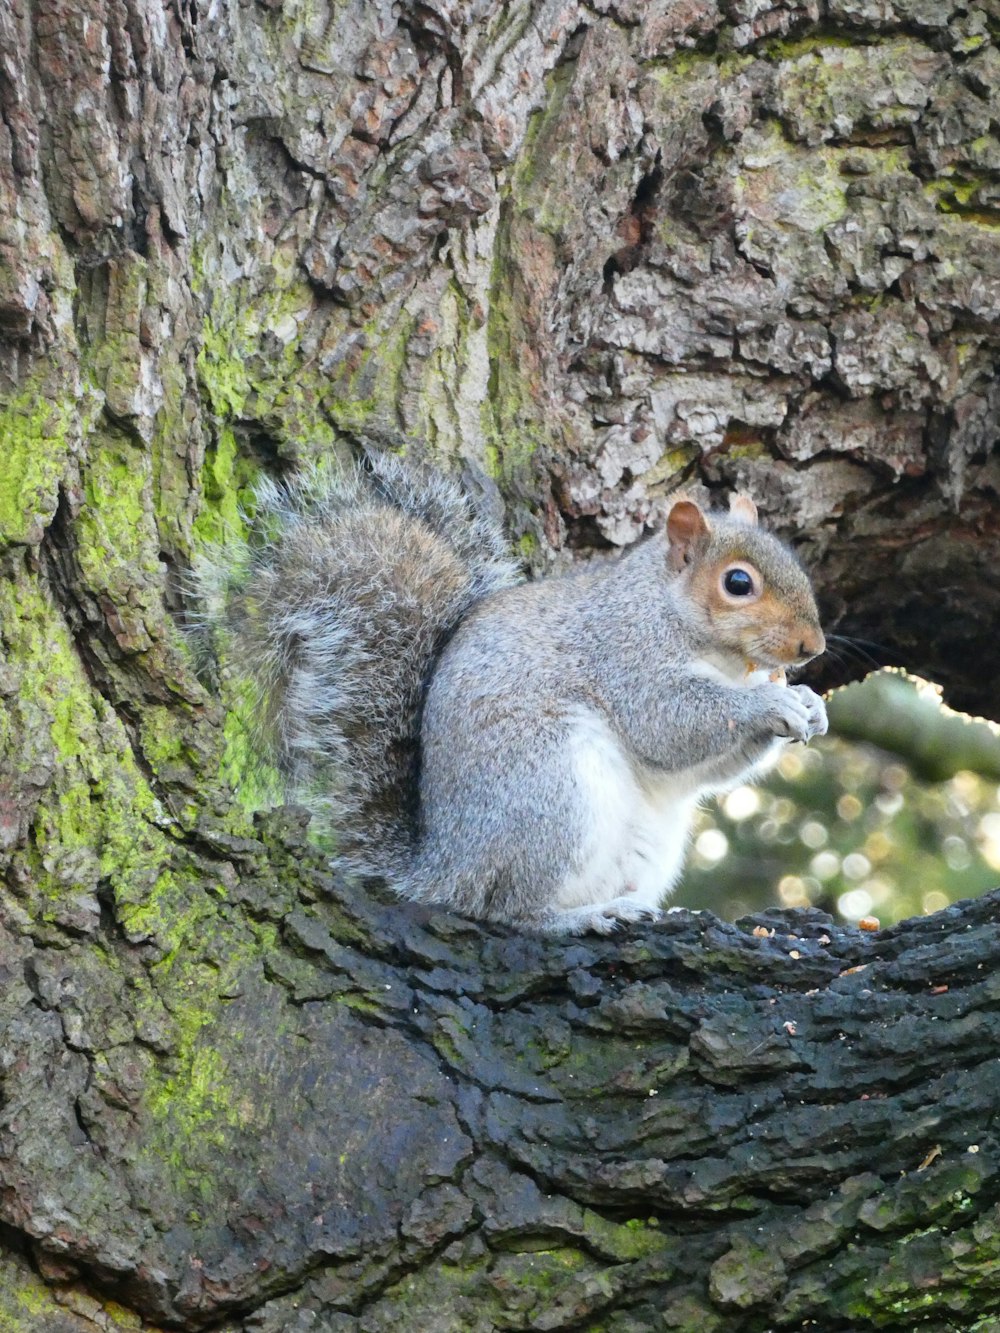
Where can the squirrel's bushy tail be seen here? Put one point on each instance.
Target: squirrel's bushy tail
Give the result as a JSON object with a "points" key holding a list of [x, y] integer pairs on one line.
{"points": [[335, 611]]}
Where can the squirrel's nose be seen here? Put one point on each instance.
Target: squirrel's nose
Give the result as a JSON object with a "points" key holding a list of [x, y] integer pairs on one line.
{"points": [[813, 643]]}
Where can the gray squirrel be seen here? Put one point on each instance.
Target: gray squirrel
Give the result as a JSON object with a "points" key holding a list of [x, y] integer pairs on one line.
{"points": [[523, 752]]}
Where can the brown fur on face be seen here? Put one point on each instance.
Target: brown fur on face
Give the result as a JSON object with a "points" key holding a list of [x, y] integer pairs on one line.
{"points": [[778, 626]]}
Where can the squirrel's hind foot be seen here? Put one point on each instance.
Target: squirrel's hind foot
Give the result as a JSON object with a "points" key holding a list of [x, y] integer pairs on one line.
{"points": [[599, 918]]}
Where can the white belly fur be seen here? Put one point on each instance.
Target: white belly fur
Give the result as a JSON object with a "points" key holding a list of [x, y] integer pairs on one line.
{"points": [[636, 823]]}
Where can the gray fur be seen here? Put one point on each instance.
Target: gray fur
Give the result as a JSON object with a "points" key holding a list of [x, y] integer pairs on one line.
{"points": [[502, 818], [566, 727], [336, 611]]}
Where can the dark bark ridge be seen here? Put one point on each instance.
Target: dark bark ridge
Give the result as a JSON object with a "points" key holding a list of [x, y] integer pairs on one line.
{"points": [[406, 1120]]}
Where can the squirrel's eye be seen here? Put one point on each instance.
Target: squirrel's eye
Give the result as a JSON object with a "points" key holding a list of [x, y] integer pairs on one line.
{"points": [[737, 582]]}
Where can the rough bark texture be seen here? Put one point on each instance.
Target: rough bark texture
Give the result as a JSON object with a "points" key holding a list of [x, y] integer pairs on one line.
{"points": [[415, 1123], [603, 251]]}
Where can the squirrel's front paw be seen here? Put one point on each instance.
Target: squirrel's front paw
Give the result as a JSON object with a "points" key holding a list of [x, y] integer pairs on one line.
{"points": [[816, 710], [796, 712]]}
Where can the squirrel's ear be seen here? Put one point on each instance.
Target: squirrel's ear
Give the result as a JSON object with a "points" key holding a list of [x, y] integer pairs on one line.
{"points": [[686, 528], [742, 508]]}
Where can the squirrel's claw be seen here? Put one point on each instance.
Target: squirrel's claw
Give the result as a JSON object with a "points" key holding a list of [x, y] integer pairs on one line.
{"points": [[797, 713], [602, 918]]}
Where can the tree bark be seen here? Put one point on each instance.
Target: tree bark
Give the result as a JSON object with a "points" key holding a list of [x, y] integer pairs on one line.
{"points": [[602, 252], [344, 1114]]}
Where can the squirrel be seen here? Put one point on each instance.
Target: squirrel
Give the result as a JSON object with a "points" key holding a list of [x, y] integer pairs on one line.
{"points": [[524, 752]]}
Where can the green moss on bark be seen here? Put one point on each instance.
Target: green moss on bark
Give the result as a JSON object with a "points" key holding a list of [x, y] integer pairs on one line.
{"points": [[27, 1303], [96, 816], [251, 365], [37, 435]]}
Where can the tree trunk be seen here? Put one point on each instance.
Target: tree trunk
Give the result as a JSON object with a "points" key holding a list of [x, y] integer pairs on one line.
{"points": [[603, 252]]}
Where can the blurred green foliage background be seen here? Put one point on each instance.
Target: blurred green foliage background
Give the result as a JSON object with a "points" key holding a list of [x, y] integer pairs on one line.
{"points": [[895, 813]]}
